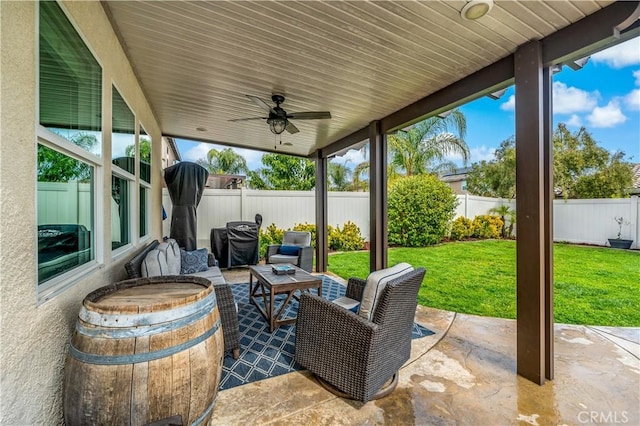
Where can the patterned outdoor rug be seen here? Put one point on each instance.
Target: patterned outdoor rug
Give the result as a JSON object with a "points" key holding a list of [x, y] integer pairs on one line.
{"points": [[264, 354]]}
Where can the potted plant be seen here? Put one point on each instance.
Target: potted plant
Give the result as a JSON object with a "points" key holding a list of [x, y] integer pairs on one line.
{"points": [[619, 242]]}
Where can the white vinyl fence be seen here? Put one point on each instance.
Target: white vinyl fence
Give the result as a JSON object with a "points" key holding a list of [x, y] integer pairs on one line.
{"points": [[576, 221]]}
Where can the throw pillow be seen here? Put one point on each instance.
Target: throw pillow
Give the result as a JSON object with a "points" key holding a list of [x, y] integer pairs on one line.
{"points": [[172, 251], [193, 261], [288, 250], [154, 264], [376, 282]]}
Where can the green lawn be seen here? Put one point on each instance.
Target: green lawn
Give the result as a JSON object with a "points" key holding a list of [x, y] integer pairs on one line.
{"points": [[593, 286]]}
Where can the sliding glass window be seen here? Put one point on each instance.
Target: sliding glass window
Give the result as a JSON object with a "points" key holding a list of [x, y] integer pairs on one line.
{"points": [[68, 152]]}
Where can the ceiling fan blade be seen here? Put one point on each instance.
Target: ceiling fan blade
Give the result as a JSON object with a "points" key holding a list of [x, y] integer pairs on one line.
{"points": [[291, 128], [261, 104], [309, 115], [247, 119]]}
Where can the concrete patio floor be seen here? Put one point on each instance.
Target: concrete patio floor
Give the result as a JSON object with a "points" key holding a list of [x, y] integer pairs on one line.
{"points": [[464, 374]]}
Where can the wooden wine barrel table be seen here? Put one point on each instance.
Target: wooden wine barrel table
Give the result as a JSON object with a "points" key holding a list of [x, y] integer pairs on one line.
{"points": [[145, 350]]}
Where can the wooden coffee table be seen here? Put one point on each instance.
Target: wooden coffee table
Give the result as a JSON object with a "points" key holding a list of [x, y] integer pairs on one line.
{"points": [[268, 285]]}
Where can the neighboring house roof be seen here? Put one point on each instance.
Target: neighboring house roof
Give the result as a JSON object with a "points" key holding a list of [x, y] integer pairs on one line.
{"points": [[635, 170], [174, 148], [456, 175], [224, 181]]}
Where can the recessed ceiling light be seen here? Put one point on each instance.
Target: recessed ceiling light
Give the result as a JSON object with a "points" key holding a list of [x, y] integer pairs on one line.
{"points": [[287, 144], [476, 9], [201, 129]]}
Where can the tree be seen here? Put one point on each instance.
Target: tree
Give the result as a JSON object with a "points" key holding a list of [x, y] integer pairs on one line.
{"points": [[361, 177], [581, 169], [339, 177], [424, 148], [283, 172], [224, 162], [495, 178], [145, 150], [54, 166]]}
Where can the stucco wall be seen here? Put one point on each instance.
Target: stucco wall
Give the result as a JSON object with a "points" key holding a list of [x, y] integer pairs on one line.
{"points": [[34, 337]]}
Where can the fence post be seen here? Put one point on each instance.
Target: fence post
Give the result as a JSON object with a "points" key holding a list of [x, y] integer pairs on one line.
{"points": [[243, 204], [634, 232], [466, 205]]}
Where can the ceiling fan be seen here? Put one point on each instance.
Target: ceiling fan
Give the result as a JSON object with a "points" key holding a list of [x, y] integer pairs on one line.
{"points": [[278, 118]]}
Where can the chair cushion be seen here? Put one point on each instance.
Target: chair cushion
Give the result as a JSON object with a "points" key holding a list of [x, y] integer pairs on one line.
{"points": [[172, 252], [213, 274], [154, 264], [283, 258], [194, 261], [289, 250], [347, 303], [296, 238], [376, 282]]}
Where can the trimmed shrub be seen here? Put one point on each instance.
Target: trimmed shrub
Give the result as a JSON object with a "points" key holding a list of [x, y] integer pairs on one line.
{"points": [[270, 235], [487, 226], [461, 228], [420, 211], [307, 227], [346, 239]]}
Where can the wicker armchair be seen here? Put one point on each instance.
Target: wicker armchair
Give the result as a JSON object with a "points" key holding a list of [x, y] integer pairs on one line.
{"points": [[303, 259], [351, 353]]}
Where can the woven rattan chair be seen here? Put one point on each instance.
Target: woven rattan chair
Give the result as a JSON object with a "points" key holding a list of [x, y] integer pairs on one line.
{"points": [[302, 259], [351, 353]]}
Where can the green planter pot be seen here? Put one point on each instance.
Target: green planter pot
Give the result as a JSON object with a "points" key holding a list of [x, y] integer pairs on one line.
{"points": [[620, 243]]}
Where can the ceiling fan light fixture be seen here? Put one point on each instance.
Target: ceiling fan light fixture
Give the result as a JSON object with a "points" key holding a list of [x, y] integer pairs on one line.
{"points": [[475, 9], [277, 125]]}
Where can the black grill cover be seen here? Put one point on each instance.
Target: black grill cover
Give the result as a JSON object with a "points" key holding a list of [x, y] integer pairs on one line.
{"points": [[243, 243], [220, 246], [242, 248], [185, 182]]}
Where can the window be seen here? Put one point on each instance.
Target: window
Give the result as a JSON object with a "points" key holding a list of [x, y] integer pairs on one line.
{"points": [[123, 151], [65, 213], [70, 82], [68, 151], [145, 181], [120, 208]]}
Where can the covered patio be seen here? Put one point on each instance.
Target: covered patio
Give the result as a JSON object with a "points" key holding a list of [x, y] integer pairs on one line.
{"points": [[185, 69], [465, 373]]}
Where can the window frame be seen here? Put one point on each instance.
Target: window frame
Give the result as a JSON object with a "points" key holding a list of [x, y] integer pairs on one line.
{"points": [[49, 289], [142, 183], [56, 285]]}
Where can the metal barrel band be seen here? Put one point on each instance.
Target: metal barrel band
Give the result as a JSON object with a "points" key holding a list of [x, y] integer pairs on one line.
{"points": [[149, 330], [88, 358], [206, 412], [148, 318]]}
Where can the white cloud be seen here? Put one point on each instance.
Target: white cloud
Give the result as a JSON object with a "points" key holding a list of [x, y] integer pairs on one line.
{"points": [[200, 150], [352, 158], [197, 152], [574, 121], [607, 116], [510, 105], [636, 75], [621, 55], [480, 153], [632, 100], [567, 100]]}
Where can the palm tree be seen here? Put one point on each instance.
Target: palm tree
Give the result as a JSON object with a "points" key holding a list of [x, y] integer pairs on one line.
{"points": [[339, 179], [424, 148], [224, 162]]}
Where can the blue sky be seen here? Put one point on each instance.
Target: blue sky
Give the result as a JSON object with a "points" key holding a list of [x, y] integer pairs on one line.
{"points": [[604, 96]]}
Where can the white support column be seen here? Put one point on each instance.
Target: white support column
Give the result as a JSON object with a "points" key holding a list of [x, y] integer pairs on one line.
{"points": [[634, 231]]}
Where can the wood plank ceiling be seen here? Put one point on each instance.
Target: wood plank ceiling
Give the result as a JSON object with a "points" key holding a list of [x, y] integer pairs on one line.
{"points": [[360, 60]]}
